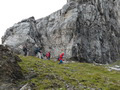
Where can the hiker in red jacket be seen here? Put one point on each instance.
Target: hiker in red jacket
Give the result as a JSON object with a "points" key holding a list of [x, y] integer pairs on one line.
{"points": [[48, 55], [61, 58]]}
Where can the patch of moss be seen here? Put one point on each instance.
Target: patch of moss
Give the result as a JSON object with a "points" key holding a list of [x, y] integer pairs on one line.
{"points": [[4, 57], [51, 75]]}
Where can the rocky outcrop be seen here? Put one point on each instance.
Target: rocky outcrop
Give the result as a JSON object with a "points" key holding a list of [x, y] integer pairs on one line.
{"points": [[10, 71], [22, 34], [85, 30]]}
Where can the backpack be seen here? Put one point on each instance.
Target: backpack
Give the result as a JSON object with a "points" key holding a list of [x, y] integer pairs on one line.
{"points": [[24, 49]]}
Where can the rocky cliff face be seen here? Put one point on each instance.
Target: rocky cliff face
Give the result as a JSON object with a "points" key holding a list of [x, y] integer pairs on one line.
{"points": [[10, 71], [85, 30]]}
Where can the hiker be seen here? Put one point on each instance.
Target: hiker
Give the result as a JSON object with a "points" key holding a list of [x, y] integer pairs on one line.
{"points": [[42, 55], [58, 58], [48, 55], [25, 50], [38, 52], [61, 58]]}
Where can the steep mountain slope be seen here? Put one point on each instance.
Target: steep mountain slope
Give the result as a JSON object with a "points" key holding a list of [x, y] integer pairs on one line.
{"points": [[85, 30]]}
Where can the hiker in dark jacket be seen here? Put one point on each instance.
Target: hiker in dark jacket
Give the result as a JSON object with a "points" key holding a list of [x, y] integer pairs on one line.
{"points": [[25, 50], [38, 52]]}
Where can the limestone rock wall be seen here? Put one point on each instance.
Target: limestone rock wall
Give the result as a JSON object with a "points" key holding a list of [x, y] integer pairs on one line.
{"points": [[85, 30], [21, 34]]}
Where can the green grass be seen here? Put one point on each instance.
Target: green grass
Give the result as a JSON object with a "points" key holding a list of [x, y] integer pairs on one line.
{"points": [[116, 63], [79, 76]]}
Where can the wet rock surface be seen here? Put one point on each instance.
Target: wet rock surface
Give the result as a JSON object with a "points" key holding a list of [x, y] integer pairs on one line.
{"points": [[116, 67]]}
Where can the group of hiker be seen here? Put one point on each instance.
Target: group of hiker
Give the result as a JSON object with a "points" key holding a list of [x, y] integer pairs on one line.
{"points": [[40, 55]]}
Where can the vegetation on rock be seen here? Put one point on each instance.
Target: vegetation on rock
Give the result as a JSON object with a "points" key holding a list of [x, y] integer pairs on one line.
{"points": [[10, 71]]}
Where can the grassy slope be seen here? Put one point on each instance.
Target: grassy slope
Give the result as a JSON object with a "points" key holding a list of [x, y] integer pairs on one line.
{"points": [[73, 75], [116, 63]]}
